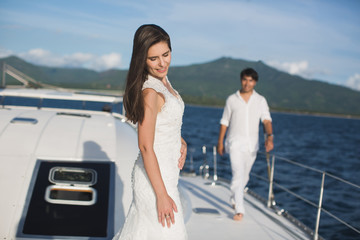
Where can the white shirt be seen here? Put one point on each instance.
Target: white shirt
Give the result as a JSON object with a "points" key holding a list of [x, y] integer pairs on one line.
{"points": [[242, 120]]}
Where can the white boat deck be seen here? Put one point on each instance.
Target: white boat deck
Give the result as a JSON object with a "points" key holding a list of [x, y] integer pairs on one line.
{"points": [[259, 222], [62, 134], [27, 142], [32, 133]]}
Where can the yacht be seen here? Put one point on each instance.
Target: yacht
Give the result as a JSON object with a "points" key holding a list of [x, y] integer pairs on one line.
{"points": [[66, 162]]}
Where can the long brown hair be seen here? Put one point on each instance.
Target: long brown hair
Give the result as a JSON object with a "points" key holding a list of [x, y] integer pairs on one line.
{"points": [[145, 36]]}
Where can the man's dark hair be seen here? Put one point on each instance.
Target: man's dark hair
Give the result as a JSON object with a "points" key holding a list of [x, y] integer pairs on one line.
{"points": [[249, 72]]}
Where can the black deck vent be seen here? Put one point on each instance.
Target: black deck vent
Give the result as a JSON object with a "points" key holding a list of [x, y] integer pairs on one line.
{"points": [[61, 218], [74, 114], [24, 120]]}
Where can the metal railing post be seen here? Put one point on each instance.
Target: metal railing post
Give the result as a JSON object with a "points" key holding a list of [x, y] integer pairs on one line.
{"points": [[192, 150], [204, 168], [3, 84], [206, 165], [316, 233], [271, 184], [215, 167]]}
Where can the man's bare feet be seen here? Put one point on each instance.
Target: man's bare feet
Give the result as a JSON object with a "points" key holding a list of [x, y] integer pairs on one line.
{"points": [[238, 217]]}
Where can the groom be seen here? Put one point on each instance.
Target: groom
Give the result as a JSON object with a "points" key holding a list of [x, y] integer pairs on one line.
{"points": [[242, 113]]}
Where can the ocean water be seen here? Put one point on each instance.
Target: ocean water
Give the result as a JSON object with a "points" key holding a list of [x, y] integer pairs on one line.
{"points": [[328, 144]]}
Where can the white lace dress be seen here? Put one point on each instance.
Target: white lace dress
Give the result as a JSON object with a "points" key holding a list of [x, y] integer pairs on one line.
{"points": [[142, 220]]}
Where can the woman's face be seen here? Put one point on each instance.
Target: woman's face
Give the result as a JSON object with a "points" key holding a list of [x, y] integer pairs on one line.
{"points": [[158, 60]]}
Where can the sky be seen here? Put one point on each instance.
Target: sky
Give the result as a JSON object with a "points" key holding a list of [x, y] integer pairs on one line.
{"points": [[315, 39]]}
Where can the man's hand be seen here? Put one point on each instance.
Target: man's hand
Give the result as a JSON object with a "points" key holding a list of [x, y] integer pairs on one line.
{"points": [[269, 143], [220, 148], [220, 145]]}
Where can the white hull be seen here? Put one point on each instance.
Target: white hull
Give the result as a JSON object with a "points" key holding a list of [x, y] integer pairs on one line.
{"points": [[68, 137]]}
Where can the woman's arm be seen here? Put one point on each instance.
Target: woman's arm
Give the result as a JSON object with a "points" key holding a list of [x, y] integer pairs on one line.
{"points": [[146, 132]]}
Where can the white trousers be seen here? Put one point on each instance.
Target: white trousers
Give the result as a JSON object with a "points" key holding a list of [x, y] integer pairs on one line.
{"points": [[241, 164]]}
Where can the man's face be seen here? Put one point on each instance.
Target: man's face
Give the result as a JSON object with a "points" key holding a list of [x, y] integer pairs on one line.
{"points": [[247, 84]]}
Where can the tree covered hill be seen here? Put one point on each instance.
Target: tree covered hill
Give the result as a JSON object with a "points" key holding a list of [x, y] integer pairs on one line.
{"points": [[210, 83]]}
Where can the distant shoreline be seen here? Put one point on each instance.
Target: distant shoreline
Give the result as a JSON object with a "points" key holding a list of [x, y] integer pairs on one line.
{"points": [[333, 115], [316, 114]]}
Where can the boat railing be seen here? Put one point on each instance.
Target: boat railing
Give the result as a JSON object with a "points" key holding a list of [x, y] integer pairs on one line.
{"points": [[51, 96], [324, 175], [26, 80], [204, 171]]}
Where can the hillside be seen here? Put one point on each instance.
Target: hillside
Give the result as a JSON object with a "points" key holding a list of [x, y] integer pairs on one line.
{"points": [[210, 83], [68, 77]]}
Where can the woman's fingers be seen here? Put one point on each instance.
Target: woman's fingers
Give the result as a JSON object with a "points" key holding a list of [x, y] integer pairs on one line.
{"points": [[183, 151], [166, 216], [181, 162], [171, 217], [174, 207], [168, 219], [161, 219]]}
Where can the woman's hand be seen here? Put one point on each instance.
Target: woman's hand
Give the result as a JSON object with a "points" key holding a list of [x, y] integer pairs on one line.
{"points": [[166, 207], [183, 152]]}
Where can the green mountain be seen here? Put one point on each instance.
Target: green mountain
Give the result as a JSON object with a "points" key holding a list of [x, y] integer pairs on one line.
{"points": [[210, 83]]}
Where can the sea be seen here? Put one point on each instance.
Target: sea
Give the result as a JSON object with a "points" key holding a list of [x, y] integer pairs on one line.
{"points": [[307, 147]]}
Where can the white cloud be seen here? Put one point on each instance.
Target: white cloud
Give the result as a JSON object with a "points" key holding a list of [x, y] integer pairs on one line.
{"points": [[79, 60], [38, 53], [107, 61], [41, 57], [5, 53], [300, 68], [354, 82]]}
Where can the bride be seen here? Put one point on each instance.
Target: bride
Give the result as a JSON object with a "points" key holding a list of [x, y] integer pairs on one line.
{"points": [[150, 101]]}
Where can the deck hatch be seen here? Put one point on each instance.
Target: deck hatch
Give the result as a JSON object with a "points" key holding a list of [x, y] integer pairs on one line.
{"points": [[73, 114], [211, 211], [58, 208], [70, 195], [72, 176], [72, 186], [24, 120]]}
